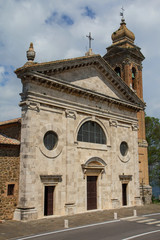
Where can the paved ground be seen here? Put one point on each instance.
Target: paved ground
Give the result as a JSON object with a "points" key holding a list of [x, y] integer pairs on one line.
{"points": [[15, 229]]}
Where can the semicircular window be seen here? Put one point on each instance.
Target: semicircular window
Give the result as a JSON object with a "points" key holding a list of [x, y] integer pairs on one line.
{"points": [[50, 140], [91, 132]]}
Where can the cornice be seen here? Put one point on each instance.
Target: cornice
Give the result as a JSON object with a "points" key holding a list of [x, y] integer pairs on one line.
{"points": [[58, 105], [60, 85], [117, 50], [40, 73]]}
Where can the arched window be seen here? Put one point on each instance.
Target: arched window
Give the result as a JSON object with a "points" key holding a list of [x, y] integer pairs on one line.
{"points": [[118, 71], [91, 132], [133, 77]]}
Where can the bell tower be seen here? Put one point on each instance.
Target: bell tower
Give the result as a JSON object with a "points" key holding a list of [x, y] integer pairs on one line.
{"points": [[126, 59]]}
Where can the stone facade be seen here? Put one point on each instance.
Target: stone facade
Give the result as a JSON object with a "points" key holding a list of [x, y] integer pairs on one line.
{"points": [[61, 97]]}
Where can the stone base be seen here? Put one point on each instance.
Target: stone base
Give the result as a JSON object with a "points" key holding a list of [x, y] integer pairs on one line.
{"points": [[138, 201], [146, 194], [115, 203], [25, 214], [70, 208]]}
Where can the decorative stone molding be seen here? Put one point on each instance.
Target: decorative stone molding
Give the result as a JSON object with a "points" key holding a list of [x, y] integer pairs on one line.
{"points": [[127, 61], [70, 114], [142, 143], [125, 178], [135, 127], [124, 159], [25, 214], [94, 164], [31, 105], [140, 67], [51, 178], [70, 208], [58, 149], [113, 123]]}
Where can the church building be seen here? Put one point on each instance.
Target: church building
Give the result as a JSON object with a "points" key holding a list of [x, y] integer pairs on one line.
{"points": [[83, 143]]}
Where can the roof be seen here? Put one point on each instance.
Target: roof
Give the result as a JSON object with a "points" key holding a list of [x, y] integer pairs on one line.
{"points": [[34, 65], [15, 120], [9, 141]]}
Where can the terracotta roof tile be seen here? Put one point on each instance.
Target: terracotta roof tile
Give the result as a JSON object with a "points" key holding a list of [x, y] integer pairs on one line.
{"points": [[6, 140], [10, 121]]}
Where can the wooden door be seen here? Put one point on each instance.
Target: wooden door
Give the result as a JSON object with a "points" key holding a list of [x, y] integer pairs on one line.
{"points": [[48, 200], [91, 192], [124, 194]]}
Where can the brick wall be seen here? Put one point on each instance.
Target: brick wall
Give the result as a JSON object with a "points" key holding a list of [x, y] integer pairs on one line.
{"points": [[9, 174]]}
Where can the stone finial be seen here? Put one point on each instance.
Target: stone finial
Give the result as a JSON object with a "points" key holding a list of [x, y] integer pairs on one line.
{"points": [[31, 53], [89, 53]]}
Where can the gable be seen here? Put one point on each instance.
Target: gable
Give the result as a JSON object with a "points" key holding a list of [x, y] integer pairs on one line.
{"points": [[90, 72], [90, 78]]}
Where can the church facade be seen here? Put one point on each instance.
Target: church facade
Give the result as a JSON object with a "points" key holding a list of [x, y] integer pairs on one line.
{"points": [[83, 141]]}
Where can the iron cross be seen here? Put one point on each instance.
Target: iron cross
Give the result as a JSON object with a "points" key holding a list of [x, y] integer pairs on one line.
{"points": [[90, 39], [122, 13]]}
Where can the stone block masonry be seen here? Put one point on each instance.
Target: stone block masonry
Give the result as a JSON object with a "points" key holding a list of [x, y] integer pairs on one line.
{"points": [[9, 180]]}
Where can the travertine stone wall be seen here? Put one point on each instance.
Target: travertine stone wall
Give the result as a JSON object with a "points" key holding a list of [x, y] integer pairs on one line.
{"points": [[9, 174], [64, 113]]}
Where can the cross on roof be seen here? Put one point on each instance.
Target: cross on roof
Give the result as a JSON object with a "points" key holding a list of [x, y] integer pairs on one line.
{"points": [[90, 39], [122, 13]]}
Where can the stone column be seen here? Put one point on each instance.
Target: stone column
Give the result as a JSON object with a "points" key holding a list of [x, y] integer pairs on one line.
{"points": [[70, 163], [26, 209]]}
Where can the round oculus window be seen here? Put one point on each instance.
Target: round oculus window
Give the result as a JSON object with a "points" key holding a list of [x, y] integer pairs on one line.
{"points": [[124, 148], [50, 140]]}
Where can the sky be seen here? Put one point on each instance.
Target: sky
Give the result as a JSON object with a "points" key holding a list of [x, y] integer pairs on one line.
{"points": [[58, 30]]}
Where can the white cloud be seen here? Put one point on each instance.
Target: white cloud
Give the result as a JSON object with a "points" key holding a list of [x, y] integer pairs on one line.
{"points": [[23, 21], [2, 71]]}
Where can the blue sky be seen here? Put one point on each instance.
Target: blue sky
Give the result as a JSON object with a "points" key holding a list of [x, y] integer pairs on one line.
{"points": [[58, 30]]}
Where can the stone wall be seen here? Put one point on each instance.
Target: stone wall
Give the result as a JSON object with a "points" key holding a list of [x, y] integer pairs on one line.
{"points": [[9, 174], [146, 194], [63, 113]]}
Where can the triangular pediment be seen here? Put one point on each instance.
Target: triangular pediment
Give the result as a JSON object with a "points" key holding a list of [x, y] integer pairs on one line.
{"points": [[90, 78], [90, 75]]}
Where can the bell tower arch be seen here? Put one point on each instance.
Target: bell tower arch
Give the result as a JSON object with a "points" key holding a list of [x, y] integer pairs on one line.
{"points": [[126, 59]]}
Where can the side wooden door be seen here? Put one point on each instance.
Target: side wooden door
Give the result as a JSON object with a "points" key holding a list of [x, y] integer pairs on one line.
{"points": [[48, 200]]}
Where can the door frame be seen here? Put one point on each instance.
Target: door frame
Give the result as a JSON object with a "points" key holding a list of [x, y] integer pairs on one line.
{"points": [[48, 185], [125, 198], [97, 188]]}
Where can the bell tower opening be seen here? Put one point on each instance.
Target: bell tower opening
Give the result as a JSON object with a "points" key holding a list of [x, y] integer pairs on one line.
{"points": [[133, 78], [118, 71]]}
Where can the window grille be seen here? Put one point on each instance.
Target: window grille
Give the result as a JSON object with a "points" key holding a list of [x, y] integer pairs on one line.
{"points": [[91, 132]]}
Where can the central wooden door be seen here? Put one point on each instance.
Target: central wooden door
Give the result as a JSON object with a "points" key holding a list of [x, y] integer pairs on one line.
{"points": [[91, 192], [48, 200]]}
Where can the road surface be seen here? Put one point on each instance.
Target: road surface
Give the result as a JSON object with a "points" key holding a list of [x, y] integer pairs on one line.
{"points": [[138, 228]]}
